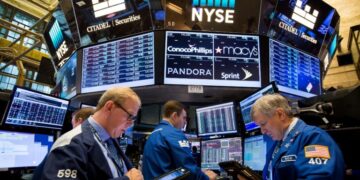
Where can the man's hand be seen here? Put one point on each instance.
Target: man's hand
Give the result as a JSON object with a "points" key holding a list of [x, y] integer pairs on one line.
{"points": [[210, 174], [134, 174]]}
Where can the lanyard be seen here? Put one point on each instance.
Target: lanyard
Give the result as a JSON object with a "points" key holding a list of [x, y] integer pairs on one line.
{"points": [[118, 167]]}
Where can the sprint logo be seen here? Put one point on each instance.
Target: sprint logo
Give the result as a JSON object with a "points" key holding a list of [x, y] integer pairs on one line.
{"points": [[303, 16], [107, 7], [247, 74]]}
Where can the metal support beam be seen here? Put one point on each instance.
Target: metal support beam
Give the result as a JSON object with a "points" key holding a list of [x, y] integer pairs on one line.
{"points": [[33, 26], [38, 43]]}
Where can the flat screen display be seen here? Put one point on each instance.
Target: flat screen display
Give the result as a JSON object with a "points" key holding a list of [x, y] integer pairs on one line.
{"points": [[247, 103], [59, 38], [216, 120], [33, 109], [212, 59], [66, 78], [100, 21], [126, 62], [19, 149], [255, 152], [303, 24], [220, 150], [294, 72], [241, 16]]}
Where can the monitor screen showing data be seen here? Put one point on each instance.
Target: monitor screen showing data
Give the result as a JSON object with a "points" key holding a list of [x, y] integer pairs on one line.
{"points": [[255, 152], [220, 150], [216, 120], [126, 62], [20, 149], [246, 104], [294, 72], [212, 59], [29, 108], [66, 78]]}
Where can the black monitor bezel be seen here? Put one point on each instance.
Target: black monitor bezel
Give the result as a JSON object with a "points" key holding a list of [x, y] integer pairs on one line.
{"points": [[29, 128], [217, 134], [219, 138], [276, 90]]}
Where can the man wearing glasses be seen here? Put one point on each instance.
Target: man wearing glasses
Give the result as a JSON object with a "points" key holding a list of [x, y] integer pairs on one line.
{"points": [[90, 151], [301, 151]]}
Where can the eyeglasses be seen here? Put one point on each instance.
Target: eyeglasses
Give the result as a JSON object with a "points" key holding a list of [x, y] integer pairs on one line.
{"points": [[130, 116]]}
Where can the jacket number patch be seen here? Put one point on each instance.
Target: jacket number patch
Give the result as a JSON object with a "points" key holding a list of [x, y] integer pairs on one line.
{"points": [[318, 161], [67, 173]]}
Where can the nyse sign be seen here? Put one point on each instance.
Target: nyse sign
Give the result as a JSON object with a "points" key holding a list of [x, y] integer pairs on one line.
{"points": [[63, 49], [218, 11], [210, 15]]}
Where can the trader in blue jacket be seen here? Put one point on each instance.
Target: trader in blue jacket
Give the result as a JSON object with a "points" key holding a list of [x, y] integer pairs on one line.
{"points": [[167, 148], [300, 151]]}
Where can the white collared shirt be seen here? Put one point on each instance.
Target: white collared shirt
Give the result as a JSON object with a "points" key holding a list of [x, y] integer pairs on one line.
{"points": [[291, 126]]}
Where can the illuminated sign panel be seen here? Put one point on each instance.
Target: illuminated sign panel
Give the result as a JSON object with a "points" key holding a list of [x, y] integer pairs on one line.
{"points": [[240, 16], [100, 21], [212, 59], [107, 7], [59, 38], [220, 12], [302, 23]]}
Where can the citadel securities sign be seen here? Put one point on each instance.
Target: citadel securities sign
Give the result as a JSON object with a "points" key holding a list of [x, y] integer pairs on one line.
{"points": [[103, 20], [303, 24], [212, 59]]}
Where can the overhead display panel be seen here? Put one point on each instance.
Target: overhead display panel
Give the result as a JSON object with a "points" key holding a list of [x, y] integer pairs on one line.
{"points": [[126, 62], [302, 23], [100, 21], [212, 59], [58, 38], [66, 79], [240, 16], [294, 72]]}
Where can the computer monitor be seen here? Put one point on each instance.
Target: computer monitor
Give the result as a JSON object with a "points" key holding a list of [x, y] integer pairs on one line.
{"points": [[219, 150], [246, 104], [212, 59], [126, 62], [294, 72], [34, 109], [19, 149], [66, 78], [216, 120], [255, 152]]}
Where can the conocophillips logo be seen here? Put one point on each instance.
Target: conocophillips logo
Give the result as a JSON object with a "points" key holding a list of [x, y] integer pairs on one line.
{"points": [[56, 35], [190, 49], [220, 11], [107, 7], [303, 16]]}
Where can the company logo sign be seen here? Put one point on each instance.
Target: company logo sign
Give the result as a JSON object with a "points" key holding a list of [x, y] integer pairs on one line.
{"points": [[58, 41], [303, 16], [238, 51], [219, 11], [190, 49], [107, 7]]}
